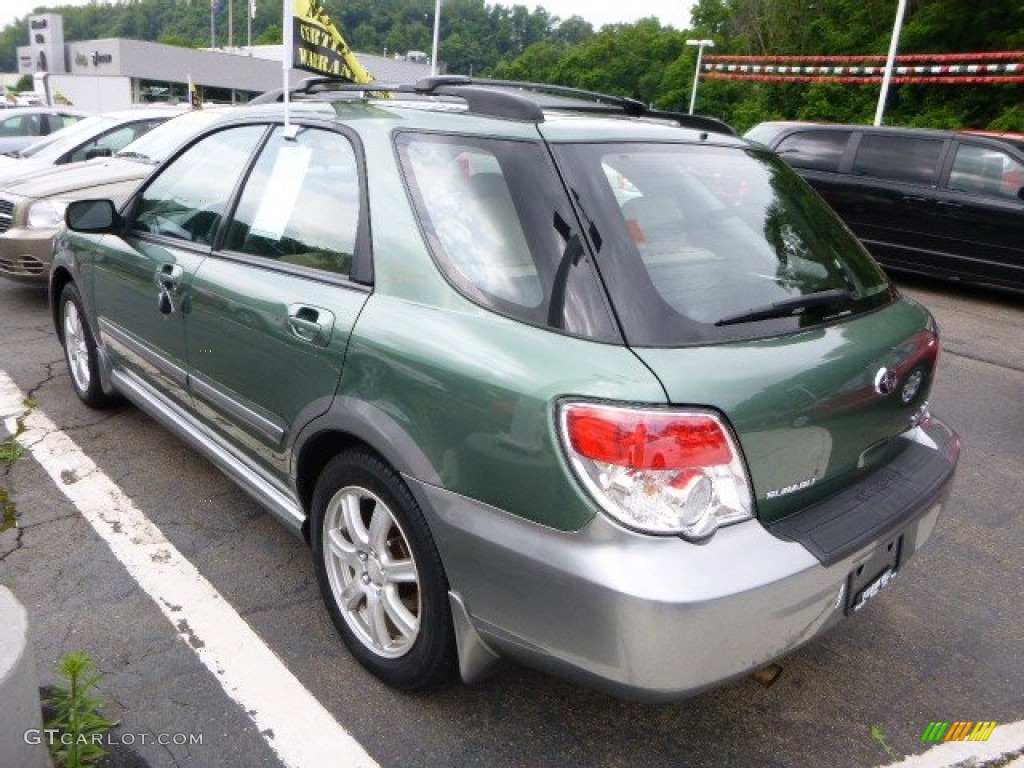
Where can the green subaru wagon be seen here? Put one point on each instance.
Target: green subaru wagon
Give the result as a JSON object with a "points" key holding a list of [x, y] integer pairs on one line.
{"points": [[540, 375]]}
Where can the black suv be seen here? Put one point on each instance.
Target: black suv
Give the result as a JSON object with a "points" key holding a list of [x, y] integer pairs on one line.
{"points": [[943, 203]]}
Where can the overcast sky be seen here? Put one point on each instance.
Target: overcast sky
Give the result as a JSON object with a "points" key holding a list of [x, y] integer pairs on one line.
{"points": [[675, 13]]}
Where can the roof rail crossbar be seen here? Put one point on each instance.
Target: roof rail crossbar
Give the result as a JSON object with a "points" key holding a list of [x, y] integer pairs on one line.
{"points": [[697, 122], [602, 102], [487, 101], [506, 98], [314, 85]]}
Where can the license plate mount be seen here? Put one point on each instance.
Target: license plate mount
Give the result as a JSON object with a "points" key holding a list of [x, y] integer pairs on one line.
{"points": [[873, 575]]}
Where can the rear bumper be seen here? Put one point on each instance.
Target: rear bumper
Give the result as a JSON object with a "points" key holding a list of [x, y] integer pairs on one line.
{"points": [[657, 617]]}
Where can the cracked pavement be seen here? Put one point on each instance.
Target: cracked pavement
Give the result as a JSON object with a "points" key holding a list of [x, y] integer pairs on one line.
{"points": [[947, 642]]}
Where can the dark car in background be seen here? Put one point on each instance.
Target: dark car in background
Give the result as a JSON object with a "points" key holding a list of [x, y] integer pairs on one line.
{"points": [[942, 203]]}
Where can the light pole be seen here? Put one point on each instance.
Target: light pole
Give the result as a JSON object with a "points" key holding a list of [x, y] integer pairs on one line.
{"points": [[894, 44], [701, 45]]}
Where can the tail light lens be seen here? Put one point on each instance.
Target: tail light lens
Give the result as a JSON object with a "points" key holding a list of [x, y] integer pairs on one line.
{"points": [[656, 470]]}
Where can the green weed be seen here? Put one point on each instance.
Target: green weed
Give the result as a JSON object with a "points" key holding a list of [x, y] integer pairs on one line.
{"points": [[76, 714]]}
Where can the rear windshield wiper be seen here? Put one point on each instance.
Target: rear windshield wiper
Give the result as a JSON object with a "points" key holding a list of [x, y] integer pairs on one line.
{"points": [[789, 307]]}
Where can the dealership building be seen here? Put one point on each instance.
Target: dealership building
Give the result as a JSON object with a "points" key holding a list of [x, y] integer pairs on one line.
{"points": [[113, 73]]}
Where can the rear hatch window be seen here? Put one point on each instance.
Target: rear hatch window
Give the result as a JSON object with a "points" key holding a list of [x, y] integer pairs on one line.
{"points": [[701, 244]]}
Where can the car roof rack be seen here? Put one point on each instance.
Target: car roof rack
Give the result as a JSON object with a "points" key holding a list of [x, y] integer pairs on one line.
{"points": [[511, 99]]}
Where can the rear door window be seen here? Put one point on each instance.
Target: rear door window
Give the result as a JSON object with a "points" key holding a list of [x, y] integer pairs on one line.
{"points": [[982, 170], [301, 203], [898, 158], [814, 150], [63, 120]]}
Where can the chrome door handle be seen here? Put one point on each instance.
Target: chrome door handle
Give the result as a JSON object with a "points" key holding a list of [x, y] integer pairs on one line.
{"points": [[307, 330]]}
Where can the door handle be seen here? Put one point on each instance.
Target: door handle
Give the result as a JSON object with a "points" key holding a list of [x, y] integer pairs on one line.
{"points": [[168, 280], [950, 204], [914, 199], [168, 277], [311, 324]]}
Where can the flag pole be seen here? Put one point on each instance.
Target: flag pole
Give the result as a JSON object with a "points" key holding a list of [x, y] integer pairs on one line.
{"points": [[248, 25], [286, 62], [213, 32], [231, 24], [437, 32]]}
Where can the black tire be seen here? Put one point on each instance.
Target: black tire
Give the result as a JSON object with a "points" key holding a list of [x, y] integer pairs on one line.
{"points": [[80, 350], [380, 573]]}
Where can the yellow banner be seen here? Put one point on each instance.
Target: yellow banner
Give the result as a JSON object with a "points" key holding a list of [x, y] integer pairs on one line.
{"points": [[319, 47]]}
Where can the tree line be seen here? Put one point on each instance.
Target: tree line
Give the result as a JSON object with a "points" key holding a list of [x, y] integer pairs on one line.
{"points": [[645, 60]]}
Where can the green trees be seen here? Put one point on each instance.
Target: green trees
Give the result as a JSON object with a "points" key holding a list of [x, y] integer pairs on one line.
{"points": [[644, 60], [627, 60], [608, 61]]}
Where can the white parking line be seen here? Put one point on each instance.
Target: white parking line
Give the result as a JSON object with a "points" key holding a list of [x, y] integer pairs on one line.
{"points": [[293, 722], [1006, 739]]}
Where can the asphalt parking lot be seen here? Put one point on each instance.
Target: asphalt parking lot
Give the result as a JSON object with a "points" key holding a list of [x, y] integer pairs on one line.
{"points": [[945, 643]]}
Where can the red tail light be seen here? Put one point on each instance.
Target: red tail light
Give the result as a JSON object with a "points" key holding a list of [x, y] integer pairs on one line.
{"points": [[647, 439], [658, 470]]}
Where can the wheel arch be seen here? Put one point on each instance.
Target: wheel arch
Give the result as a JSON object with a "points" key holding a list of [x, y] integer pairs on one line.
{"points": [[351, 424], [60, 277]]}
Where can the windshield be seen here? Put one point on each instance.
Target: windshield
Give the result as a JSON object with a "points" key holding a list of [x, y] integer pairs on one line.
{"points": [[689, 236], [59, 142], [159, 143]]}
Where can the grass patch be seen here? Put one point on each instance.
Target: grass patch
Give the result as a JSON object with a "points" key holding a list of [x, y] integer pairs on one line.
{"points": [[8, 512], [11, 450], [879, 735]]}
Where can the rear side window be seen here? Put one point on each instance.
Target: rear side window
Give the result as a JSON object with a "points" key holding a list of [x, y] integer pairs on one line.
{"points": [[475, 223], [814, 150], [986, 171], [689, 236], [500, 228], [898, 158]]}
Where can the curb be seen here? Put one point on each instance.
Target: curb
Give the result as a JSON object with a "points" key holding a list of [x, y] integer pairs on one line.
{"points": [[19, 690]]}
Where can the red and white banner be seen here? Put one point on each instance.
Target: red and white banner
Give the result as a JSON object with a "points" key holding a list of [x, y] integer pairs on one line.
{"points": [[951, 68]]}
